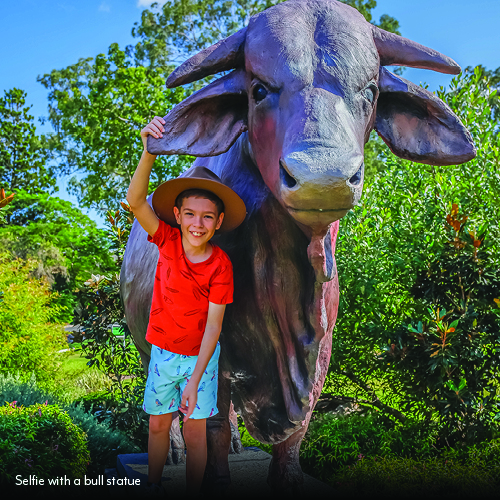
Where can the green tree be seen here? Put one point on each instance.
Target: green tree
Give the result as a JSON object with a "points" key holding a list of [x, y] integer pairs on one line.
{"points": [[179, 29], [97, 108], [36, 225], [23, 155], [65, 243], [493, 77], [365, 7]]}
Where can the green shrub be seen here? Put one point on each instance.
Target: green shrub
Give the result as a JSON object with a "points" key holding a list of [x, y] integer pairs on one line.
{"points": [[41, 440], [336, 441], [98, 403], [488, 451], [362, 452], [99, 306], [443, 477], [25, 391], [29, 341], [129, 418], [104, 443], [447, 352]]}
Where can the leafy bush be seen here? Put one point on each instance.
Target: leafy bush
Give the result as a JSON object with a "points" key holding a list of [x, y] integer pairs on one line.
{"points": [[103, 441], [360, 453], [97, 403], [334, 441], [25, 391], [439, 476], [116, 356], [99, 308], [449, 354], [42, 440], [29, 341]]}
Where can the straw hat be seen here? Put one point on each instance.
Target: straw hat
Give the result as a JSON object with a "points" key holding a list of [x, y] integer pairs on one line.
{"points": [[199, 178]]}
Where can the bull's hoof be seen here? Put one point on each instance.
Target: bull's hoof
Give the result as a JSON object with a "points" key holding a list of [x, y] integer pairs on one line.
{"points": [[286, 480], [215, 487]]}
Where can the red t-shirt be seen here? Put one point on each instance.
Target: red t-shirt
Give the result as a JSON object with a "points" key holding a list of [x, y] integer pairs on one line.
{"points": [[182, 291]]}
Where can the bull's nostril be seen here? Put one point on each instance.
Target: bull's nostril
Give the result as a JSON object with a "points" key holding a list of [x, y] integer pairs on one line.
{"points": [[286, 178], [356, 178]]}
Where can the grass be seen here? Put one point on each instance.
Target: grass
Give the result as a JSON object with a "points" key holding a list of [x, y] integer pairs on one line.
{"points": [[75, 378], [75, 364]]}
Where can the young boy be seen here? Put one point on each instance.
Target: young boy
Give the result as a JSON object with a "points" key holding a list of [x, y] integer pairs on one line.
{"points": [[193, 284]]}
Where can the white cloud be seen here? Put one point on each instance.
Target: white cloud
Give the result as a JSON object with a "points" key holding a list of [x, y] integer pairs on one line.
{"points": [[104, 7]]}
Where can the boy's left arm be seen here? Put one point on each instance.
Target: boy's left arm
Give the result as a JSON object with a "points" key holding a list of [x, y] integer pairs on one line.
{"points": [[207, 348]]}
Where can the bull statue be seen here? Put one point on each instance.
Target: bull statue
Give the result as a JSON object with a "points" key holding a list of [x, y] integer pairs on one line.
{"points": [[286, 129]]}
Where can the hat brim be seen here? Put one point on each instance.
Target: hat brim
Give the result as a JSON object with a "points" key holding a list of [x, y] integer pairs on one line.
{"points": [[164, 200]]}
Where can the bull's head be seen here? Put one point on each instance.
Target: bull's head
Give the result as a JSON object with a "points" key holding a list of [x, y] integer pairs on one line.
{"points": [[309, 85]]}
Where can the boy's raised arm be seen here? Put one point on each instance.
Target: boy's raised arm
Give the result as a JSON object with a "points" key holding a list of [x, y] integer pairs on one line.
{"points": [[138, 189]]}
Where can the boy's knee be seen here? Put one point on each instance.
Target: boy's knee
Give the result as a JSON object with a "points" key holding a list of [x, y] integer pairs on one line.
{"points": [[160, 423], [195, 433]]}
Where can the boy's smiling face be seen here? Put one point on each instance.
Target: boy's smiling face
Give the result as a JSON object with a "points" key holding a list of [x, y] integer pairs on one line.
{"points": [[199, 220]]}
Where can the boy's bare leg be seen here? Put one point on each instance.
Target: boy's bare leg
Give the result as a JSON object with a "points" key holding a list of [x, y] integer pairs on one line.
{"points": [[158, 445], [195, 437]]}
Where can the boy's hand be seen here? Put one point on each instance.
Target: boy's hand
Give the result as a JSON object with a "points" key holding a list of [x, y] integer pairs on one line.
{"points": [[154, 128], [189, 399]]}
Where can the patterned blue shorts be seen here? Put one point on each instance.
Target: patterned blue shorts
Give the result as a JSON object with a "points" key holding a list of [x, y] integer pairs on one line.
{"points": [[168, 375]]}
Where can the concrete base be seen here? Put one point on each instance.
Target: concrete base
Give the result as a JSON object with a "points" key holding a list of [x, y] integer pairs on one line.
{"points": [[248, 476]]}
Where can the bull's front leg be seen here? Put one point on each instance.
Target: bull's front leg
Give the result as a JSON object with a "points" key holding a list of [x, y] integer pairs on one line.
{"points": [[285, 474], [217, 477]]}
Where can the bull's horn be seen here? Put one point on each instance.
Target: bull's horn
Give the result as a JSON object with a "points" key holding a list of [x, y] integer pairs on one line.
{"points": [[394, 50], [222, 56]]}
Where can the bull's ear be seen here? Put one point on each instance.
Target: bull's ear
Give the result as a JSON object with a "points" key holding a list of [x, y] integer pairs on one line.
{"points": [[418, 126], [208, 122]]}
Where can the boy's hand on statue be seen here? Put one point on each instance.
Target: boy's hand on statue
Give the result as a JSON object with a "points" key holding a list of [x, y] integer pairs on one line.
{"points": [[189, 400], [154, 128]]}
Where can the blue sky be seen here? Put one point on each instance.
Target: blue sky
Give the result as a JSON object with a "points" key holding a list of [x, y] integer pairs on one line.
{"points": [[37, 36]]}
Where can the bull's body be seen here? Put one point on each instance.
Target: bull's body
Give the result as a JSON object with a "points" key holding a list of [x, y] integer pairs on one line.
{"points": [[294, 154]]}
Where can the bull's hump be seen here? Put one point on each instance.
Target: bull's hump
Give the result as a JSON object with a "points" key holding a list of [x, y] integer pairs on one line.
{"points": [[296, 40]]}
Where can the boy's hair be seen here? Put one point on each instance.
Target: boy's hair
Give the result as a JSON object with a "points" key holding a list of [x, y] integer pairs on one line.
{"points": [[200, 193]]}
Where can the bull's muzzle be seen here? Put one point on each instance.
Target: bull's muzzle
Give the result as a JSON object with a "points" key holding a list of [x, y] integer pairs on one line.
{"points": [[319, 185]]}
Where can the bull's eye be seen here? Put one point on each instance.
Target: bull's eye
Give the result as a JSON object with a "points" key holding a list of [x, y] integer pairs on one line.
{"points": [[370, 92], [259, 92]]}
